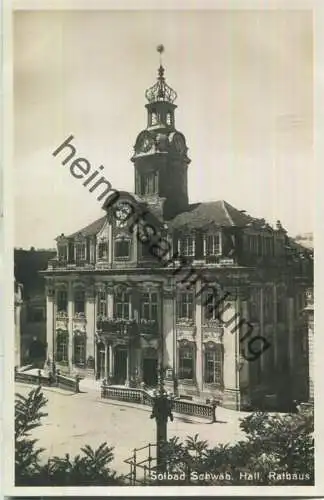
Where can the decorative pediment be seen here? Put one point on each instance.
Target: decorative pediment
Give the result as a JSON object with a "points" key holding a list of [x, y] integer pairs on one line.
{"points": [[79, 238]]}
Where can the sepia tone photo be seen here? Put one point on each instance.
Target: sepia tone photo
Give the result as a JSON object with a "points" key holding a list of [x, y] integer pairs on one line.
{"points": [[163, 260]]}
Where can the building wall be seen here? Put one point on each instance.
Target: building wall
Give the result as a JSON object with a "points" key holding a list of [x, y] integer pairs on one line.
{"points": [[244, 375]]}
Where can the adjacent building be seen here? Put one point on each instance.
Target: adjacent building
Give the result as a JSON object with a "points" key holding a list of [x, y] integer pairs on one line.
{"points": [[211, 294]]}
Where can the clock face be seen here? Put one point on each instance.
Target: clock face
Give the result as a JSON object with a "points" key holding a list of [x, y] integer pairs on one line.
{"points": [[122, 213], [144, 144], [179, 144]]}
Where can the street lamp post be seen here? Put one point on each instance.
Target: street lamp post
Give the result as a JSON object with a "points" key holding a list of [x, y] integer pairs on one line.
{"points": [[162, 410]]}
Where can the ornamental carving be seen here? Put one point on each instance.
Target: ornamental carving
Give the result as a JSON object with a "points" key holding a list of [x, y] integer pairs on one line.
{"points": [[213, 334], [168, 293], [79, 333], [78, 284], [186, 333]]}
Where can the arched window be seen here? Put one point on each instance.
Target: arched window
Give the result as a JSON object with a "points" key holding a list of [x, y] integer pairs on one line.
{"points": [[102, 303], [62, 342], [122, 249], [213, 364], [186, 361], [79, 301], [79, 350]]}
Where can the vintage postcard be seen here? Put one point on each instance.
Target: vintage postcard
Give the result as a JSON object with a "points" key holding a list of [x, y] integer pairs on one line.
{"points": [[162, 255]]}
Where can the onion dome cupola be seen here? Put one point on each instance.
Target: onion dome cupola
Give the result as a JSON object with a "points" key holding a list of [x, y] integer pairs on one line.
{"points": [[160, 151]]}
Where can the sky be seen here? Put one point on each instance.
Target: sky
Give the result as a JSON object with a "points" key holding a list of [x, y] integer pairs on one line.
{"points": [[245, 105]]}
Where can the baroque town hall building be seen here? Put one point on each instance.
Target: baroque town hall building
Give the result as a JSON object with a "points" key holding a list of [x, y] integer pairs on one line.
{"points": [[118, 311]]}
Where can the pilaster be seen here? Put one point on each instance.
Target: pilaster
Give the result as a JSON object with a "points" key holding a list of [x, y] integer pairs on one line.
{"points": [[199, 352], [50, 319], [169, 329], [231, 318], [70, 324], [91, 322], [110, 301]]}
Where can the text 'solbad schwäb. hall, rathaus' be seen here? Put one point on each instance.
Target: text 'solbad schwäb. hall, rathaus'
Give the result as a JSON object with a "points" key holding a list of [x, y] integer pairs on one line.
{"points": [[130, 291]]}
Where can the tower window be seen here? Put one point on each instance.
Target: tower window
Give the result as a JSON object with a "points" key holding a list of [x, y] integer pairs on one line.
{"points": [[149, 183], [169, 118], [154, 117]]}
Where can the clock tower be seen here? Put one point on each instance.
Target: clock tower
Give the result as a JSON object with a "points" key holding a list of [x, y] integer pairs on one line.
{"points": [[160, 153]]}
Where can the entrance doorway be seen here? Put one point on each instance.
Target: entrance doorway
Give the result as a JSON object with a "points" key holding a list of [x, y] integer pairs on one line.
{"points": [[101, 360], [120, 366], [150, 371]]}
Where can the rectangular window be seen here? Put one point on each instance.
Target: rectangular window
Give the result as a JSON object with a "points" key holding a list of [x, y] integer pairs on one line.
{"points": [[122, 249], [80, 350], [62, 253], [62, 347], [103, 250], [79, 302], [185, 306], [102, 303], [149, 306], [213, 244], [62, 301], [186, 362], [213, 366], [80, 251], [187, 246], [212, 307], [122, 305]]}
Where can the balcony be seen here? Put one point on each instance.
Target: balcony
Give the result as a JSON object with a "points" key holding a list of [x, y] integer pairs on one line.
{"points": [[119, 328], [64, 264], [148, 327]]}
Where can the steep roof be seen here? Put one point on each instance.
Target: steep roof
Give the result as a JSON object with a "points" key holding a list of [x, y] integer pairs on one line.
{"points": [[220, 213], [91, 229]]}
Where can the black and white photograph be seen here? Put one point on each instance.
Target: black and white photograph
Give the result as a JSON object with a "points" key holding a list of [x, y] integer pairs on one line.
{"points": [[163, 192]]}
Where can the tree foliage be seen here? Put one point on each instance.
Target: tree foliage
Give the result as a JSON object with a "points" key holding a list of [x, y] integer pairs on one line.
{"points": [[280, 448]]}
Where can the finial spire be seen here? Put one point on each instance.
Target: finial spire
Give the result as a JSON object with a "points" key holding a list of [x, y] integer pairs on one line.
{"points": [[160, 49], [160, 91]]}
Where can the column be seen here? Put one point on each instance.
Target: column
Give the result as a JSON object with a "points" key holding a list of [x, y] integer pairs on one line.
{"points": [[110, 301], [70, 324], [91, 327], [310, 318], [127, 367], [245, 385], [199, 352], [169, 329], [106, 360], [50, 320], [111, 361], [95, 358]]}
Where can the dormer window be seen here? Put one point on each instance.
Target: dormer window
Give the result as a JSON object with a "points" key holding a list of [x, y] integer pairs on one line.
{"points": [[186, 246], [122, 249], [213, 244], [103, 250], [80, 252]]}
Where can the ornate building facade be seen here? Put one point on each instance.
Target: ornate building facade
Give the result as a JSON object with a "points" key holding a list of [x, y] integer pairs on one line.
{"points": [[209, 293]]}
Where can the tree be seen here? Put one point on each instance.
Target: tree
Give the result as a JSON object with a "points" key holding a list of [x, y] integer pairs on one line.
{"points": [[91, 467], [278, 447]]}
